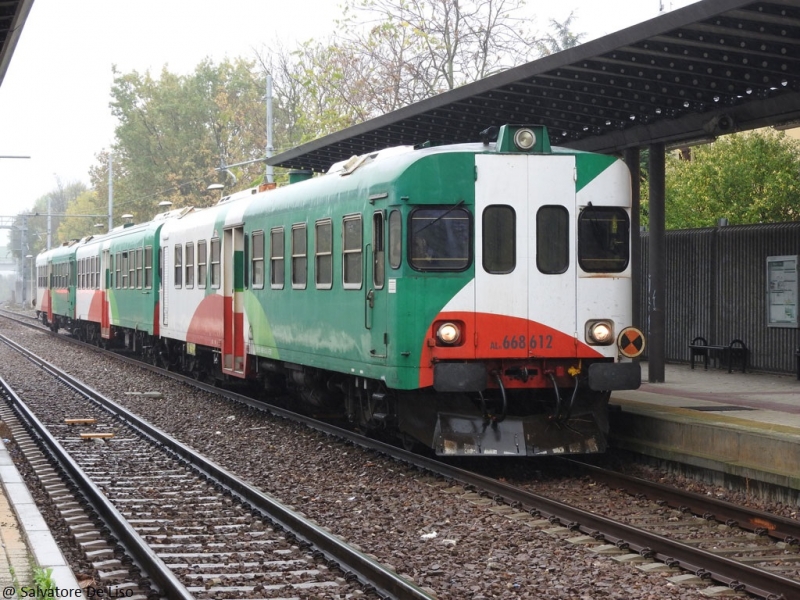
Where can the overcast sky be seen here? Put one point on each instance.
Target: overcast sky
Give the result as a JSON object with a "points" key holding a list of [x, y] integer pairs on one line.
{"points": [[54, 100]]}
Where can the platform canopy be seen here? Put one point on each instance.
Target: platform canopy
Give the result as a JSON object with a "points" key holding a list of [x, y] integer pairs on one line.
{"points": [[687, 76], [12, 17]]}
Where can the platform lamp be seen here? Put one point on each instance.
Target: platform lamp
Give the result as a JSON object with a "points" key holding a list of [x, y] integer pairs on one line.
{"points": [[216, 186]]}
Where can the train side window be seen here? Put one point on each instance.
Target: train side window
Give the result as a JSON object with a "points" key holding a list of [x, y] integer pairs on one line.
{"points": [[124, 267], [189, 266], [215, 264], [80, 273], [395, 239], [139, 268], [178, 266], [258, 260], [118, 266], [110, 258], [378, 251], [499, 242], [603, 239], [552, 239], [148, 267], [440, 239], [131, 269], [351, 252], [299, 256], [277, 270], [323, 254], [202, 268]]}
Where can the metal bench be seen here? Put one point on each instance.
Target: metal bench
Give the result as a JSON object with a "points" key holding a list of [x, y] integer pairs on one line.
{"points": [[735, 351], [797, 356]]}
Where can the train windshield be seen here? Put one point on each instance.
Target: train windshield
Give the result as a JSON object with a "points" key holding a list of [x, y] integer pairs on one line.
{"points": [[440, 239], [603, 239]]}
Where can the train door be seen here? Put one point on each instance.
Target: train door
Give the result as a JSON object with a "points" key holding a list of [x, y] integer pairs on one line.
{"points": [[233, 357], [501, 254], [552, 303], [524, 271], [375, 310], [105, 317], [163, 284], [47, 304]]}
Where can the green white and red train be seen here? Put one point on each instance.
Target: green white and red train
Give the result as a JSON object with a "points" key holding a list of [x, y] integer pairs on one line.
{"points": [[475, 298]]}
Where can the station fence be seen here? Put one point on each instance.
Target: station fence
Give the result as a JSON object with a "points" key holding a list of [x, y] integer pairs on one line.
{"points": [[716, 287]]}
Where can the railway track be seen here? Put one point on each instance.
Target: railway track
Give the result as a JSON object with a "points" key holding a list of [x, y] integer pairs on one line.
{"points": [[193, 529], [695, 540]]}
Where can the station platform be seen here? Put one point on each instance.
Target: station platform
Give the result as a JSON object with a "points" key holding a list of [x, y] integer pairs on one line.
{"points": [[742, 428]]}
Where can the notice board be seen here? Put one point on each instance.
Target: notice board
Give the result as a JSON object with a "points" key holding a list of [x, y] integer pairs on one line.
{"points": [[782, 291]]}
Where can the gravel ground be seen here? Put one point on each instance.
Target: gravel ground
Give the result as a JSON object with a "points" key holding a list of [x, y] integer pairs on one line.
{"points": [[455, 548]]}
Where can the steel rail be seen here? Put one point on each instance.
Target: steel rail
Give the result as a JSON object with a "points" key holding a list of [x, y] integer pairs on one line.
{"points": [[352, 562], [774, 526]]}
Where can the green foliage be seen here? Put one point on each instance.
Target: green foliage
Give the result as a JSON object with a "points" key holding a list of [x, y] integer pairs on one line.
{"points": [[43, 580], [80, 223], [56, 204], [747, 178], [174, 131]]}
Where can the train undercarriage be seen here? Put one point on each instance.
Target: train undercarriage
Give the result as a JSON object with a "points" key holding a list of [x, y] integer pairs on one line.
{"points": [[497, 421]]}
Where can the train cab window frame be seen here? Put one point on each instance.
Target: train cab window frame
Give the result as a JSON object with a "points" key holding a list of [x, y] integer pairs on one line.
{"points": [[499, 239], [352, 252], [202, 264], [323, 254], [552, 239], [299, 256], [148, 267], [395, 239], [277, 258], [257, 260], [188, 265], [216, 265], [177, 282], [603, 239], [440, 238]]}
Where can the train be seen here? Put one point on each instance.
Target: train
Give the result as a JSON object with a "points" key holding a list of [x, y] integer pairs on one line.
{"points": [[473, 299]]}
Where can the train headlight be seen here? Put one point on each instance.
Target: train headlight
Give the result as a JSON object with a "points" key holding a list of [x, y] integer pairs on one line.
{"points": [[448, 333], [600, 333], [524, 139]]}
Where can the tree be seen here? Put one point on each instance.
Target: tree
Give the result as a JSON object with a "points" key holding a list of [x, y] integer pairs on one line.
{"points": [[175, 131], [55, 203], [561, 37], [749, 177], [419, 48], [80, 222]]}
